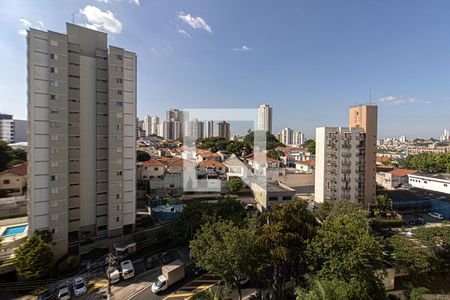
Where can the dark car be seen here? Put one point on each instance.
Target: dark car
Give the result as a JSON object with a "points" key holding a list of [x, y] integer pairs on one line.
{"points": [[164, 258], [148, 262]]}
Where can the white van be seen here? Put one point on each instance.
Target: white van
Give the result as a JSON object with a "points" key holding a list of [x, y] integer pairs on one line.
{"points": [[127, 269]]}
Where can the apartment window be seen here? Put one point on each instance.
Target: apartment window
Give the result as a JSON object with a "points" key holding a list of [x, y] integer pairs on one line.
{"points": [[54, 217], [119, 173], [119, 57], [119, 103], [119, 69], [53, 70], [53, 83], [119, 80], [54, 230], [54, 151], [54, 204], [118, 127], [53, 97], [53, 177], [119, 92], [6, 181], [54, 111], [53, 56], [119, 150], [118, 207], [118, 219], [54, 164], [54, 125], [119, 115], [54, 190], [117, 196], [53, 43], [54, 137], [155, 168]]}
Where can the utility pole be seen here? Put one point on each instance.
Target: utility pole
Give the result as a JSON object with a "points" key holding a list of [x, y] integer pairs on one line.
{"points": [[111, 260]]}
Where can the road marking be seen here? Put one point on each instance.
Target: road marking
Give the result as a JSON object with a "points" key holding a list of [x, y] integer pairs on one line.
{"points": [[181, 292]]}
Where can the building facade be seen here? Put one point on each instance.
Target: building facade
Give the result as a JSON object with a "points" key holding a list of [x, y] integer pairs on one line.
{"points": [[287, 136], [209, 129], [265, 118], [340, 162], [224, 130], [82, 132]]}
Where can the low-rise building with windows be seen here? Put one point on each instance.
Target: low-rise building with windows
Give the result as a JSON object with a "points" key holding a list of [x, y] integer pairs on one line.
{"points": [[433, 182]]}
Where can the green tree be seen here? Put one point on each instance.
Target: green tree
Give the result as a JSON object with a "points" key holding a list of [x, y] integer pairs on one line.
{"points": [[197, 213], [384, 202], [325, 290], [311, 146], [418, 262], [214, 143], [5, 155], [415, 293], [428, 162], [284, 235], [275, 154], [344, 249], [19, 154], [34, 257], [234, 185], [228, 250], [271, 141], [142, 156]]}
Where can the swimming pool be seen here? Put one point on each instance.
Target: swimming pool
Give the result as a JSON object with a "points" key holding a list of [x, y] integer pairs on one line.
{"points": [[14, 230]]}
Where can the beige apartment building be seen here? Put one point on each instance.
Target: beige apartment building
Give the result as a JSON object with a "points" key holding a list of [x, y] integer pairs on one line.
{"points": [[82, 112], [346, 159]]}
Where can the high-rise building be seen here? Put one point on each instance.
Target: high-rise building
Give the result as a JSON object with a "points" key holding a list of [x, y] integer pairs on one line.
{"points": [[340, 161], [286, 136], [298, 139], [176, 118], [194, 129], [265, 117], [402, 138], [445, 137], [171, 130], [366, 117], [154, 123], [209, 129], [223, 130], [346, 158], [146, 125], [7, 128], [82, 132]]}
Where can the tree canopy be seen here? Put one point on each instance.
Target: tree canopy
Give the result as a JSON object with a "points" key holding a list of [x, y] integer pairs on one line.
{"points": [[234, 185], [311, 146], [428, 162], [142, 156], [271, 141], [34, 257], [344, 250], [228, 250], [9, 156]]}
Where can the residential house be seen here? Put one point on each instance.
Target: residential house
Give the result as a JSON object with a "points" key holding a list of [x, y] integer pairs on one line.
{"points": [[306, 166], [13, 181], [393, 179]]}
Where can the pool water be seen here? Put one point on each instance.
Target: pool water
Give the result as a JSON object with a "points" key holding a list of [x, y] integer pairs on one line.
{"points": [[10, 231]]}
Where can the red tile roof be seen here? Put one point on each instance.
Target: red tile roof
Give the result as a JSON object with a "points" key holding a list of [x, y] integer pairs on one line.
{"points": [[310, 162], [402, 172], [208, 155], [209, 163], [19, 169], [153, 163]]}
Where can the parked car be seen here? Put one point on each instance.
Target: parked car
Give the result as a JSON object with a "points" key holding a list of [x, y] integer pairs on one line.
{"points": [[436, 215], [64, 293], [148, 262], [127, 269], [79, 286]]}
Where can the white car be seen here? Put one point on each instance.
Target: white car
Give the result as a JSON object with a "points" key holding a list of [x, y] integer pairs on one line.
{"points": [[64, 293], [79, 286], [436, 215]]}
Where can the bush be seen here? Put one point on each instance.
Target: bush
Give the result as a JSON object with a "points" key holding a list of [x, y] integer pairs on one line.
{"points": [[378, 223]]}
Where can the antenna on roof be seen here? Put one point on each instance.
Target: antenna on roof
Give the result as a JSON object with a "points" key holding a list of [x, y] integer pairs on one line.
{"points": [[73, 18]]}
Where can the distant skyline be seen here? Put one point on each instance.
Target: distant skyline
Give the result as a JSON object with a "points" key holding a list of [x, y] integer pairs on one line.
{"points": [[310, 60]]}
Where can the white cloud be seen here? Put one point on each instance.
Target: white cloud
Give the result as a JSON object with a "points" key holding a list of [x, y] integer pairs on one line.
{"points": [[242, 48], [105, 1], [101, 20], [194, 22], [25, 22], [40, 25], [129, 1], [135, 2], [23, 32], [184, 33], [402, 100]]}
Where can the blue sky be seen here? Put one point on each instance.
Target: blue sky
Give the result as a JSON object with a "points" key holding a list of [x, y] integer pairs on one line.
{"points": [[310, 60]]}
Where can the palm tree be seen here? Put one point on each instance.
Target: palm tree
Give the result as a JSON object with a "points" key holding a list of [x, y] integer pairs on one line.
{"points": [[412, 293]]}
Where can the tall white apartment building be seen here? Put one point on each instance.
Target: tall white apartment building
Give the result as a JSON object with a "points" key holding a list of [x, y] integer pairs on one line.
{"points": [[340, 163], [7, 128], [171, 130], [82, 133], [298, 139], [146, 126], [287, 136], [265, 117], [154, 123], [194, 129], [209, 129]]}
